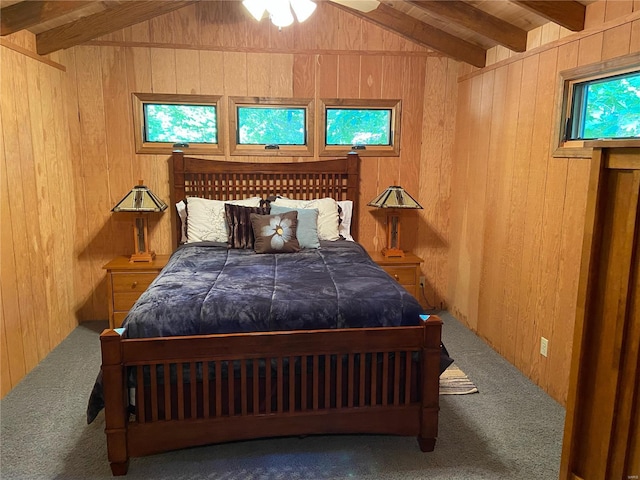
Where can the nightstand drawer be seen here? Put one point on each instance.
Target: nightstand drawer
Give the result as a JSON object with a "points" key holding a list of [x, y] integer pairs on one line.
{"points": [[126, 281], [132, 282], [124, 301], [404, 275], [405, 270]]}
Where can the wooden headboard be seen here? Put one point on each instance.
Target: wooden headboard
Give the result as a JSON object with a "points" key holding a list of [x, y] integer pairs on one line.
{"points": [[231, 180]]}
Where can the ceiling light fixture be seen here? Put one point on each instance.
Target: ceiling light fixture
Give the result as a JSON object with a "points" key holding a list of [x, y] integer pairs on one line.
{"points": [[279, 11]]}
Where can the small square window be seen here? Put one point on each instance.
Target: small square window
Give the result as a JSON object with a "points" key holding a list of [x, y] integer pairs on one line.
{"points": [[162, 121], [371, 127], [271, 126]]}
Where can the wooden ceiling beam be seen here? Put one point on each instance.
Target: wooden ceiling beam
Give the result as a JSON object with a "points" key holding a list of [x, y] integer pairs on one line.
{"points": [[479, 21], [566, 13], [26, 14], [423, 34], [110, 20]]}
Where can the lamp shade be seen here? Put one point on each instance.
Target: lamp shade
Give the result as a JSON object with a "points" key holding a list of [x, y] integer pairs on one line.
{"points": [[140, 199], [394, 197]]}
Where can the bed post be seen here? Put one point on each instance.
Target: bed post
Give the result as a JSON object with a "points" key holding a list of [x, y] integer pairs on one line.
{"points": [[115, 402], [430, 384], [353, 170], [176, 186]]}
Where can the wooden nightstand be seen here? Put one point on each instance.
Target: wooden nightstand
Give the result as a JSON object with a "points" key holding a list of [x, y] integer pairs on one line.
{"points": [[125, 283], [406, 270]]}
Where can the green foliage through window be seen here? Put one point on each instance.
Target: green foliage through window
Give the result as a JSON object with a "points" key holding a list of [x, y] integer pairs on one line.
{"points": [[180, 123], [606, 108], [271, 126], [358, 126]]}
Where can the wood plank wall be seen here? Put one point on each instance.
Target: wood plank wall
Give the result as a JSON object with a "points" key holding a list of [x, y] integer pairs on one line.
{"points": [[39, 253], [517, 213], [335, 55], [206, 48]]}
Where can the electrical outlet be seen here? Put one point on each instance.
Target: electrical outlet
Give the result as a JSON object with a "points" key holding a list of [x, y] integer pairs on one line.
{"points": [[422, 281], [544, 346]]}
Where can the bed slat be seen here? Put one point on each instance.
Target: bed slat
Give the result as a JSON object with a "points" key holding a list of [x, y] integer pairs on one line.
{"points": [[267, 381], [180, 384], [205, 390], [243, 386], [218, 399], [154, 393], [363, 376], [256, 380], [316, 379], [385, 378], [140, 393]]}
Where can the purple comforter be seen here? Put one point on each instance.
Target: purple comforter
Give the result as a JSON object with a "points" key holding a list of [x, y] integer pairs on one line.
{"points": [[209, 288]]}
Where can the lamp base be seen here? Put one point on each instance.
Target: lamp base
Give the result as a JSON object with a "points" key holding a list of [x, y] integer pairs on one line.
{"points": [[392, 252], [142, 257]]}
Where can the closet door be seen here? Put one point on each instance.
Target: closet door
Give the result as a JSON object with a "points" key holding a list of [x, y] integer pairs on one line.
{"points": [[601, 438]]}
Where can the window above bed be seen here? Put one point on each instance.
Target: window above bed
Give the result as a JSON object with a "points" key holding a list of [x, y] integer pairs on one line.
{"points": [[271, 126], [163, 120], [370, 127]]}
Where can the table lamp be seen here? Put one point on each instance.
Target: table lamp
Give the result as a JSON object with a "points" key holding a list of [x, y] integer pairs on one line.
{"points": [[394, 198], [140, 200]]}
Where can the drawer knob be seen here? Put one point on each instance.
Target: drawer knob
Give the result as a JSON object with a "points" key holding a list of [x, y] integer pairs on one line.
{"points": [[134, 284], [396, 277]]}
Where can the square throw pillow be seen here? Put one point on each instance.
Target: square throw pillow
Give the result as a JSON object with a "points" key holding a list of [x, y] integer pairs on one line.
{"points": [[205, 218], [275, 233], [328, 216], [307, 230], [239, 224]]}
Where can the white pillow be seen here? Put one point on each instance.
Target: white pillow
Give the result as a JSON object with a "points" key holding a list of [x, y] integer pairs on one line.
{"points": [[181, 207], [206, 220], [327, 214], [345, 225]]}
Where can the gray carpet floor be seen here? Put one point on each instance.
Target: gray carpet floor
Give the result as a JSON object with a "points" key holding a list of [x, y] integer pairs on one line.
{"points": [[510, 430]]}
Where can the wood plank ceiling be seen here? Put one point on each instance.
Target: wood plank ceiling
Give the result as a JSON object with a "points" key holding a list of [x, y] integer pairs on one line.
{"points": [[463, 30]]}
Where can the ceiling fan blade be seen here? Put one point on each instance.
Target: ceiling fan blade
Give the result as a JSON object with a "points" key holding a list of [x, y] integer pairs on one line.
{"points": [[361, 5]]}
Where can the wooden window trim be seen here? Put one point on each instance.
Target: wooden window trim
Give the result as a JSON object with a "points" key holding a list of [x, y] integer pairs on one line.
{"points": [[392, 150], [568, 78], [140, 99], [262, 150]]}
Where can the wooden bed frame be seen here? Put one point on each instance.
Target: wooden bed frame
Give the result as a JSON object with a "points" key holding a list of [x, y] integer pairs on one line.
{"points": [[198, 390]]}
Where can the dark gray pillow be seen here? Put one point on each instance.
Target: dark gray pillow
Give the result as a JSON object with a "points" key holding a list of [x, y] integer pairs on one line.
{"points": [[275, 233], [239, 224]]}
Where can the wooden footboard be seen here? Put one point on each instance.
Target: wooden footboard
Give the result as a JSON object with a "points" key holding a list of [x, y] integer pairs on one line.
{"points": [[198, 390]]}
